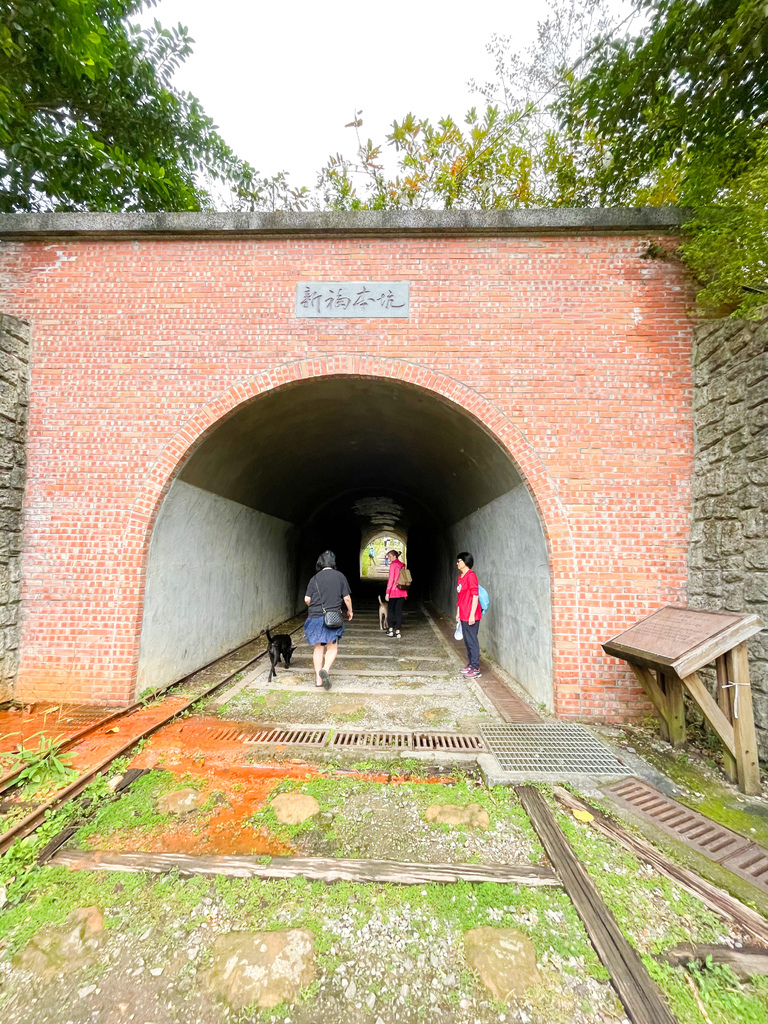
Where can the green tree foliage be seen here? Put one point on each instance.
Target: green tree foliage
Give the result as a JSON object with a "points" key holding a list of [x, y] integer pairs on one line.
{"points": [[512, 154], [89, 119], [682, 108], [485, 166]]}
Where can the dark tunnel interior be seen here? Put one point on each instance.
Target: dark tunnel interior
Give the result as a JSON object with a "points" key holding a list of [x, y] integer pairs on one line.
{"points": [[319, 464]]}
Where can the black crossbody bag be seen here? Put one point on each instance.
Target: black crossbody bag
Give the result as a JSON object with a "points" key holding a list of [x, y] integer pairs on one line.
{"points": [[332, 619]]}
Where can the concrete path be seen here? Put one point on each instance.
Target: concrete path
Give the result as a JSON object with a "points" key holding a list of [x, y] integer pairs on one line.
{"points": [[377, 682]]}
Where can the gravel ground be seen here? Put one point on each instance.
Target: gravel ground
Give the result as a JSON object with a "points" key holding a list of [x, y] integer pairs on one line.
{"points": [[379, 965], [361, 710], [387, 823]]}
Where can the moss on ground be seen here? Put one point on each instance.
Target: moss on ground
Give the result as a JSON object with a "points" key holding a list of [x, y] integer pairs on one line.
{"points": [[704, 788], [652, 911]]}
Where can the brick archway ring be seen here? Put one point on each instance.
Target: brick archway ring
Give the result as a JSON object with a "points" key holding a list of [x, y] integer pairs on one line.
{"points": [[564, 589]]}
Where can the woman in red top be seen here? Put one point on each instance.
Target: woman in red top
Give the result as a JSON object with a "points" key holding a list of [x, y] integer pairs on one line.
{"points": [[395, 595], [469, 612]]}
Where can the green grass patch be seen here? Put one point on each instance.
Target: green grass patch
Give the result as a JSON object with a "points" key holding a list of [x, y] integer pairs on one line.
{"points": [[137, 807]]}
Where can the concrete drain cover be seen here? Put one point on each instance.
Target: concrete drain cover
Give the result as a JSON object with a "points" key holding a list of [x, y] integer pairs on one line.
{"points": [[550, 749]]}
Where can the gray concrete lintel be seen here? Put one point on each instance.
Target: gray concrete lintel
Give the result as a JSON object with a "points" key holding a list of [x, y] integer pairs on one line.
{"points": [[373, 223]]}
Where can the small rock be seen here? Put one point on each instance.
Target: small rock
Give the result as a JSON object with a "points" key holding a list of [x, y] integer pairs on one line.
{"points": [[61, 950], [351, 991], [263, 968], [180, 801], [86, 990], [294, 808], [436, 714], [450, 814], [156, 971], [370, 1000], [504, 959]]}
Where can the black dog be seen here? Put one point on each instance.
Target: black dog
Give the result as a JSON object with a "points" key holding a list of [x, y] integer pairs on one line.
{"points": [[280, 646]]}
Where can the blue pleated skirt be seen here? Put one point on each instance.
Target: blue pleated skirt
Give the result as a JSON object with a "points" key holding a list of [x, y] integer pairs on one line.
{"points": [[316, 632]]}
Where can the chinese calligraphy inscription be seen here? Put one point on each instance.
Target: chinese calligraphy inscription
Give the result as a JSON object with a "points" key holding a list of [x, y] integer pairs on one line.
{"points": [[352, 299]]}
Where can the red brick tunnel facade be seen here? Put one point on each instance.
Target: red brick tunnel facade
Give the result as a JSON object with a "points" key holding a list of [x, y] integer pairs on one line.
{"points": [[558, 339]]}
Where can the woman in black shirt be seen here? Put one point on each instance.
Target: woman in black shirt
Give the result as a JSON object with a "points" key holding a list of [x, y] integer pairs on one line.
{"points": [[326, 591]]}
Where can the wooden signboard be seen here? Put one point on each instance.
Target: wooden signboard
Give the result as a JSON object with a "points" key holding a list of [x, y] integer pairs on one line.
{"points": [[665, 651]]}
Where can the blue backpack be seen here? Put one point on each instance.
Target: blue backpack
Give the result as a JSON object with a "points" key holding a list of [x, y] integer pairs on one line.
{"points": [[485, 600]]}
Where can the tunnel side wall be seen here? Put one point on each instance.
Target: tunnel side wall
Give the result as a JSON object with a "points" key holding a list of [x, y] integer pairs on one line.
{"points": [[230, 568], [510, 551]]}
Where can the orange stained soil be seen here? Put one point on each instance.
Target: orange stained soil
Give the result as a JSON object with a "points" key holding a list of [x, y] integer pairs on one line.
{"points": [[199, 738], [223, 830], [24, 727], [189, 747], [101, 743]]}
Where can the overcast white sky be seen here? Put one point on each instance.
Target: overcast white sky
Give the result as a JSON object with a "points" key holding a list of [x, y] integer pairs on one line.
{"points": [[282, 79]]}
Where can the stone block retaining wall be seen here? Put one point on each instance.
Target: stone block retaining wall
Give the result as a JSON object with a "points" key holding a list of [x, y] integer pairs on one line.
{"points": [[14, 400], [728, 567]]}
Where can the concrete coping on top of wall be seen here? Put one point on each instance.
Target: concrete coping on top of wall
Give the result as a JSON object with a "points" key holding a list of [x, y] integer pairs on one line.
{"points": [[359, 223]]}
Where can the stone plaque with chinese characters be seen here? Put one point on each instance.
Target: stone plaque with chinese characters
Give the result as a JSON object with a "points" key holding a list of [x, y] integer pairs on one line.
{"points": [[352, 299]]}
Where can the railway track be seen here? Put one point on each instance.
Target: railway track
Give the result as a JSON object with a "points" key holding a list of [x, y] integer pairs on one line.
{"points": [[230, 664], [640, 996]]}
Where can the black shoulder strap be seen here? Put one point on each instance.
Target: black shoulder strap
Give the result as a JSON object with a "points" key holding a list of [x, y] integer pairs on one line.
{"points": [[317, 588]]}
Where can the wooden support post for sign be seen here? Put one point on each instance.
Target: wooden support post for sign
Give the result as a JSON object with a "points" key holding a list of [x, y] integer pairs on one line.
{"points": [[647, 680], [744, 735], [725, 703], [659, 676], [711, 711], [673, 689], [667, 649]]}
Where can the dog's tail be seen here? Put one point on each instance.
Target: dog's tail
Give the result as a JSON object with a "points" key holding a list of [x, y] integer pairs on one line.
{"points": [[381, 603], [269, 638]]}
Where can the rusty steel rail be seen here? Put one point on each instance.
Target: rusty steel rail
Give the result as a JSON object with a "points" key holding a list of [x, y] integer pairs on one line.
{"points": [[35, 818], [8, 779]]}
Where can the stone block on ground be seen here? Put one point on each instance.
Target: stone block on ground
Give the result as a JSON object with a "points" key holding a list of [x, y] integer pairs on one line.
{"points": [[472, 815], [504, 959], [180, 801], [294, 808], [261, 968], [61, 949]]}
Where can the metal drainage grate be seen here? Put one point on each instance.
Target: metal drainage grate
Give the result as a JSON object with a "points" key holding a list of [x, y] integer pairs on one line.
{"points": [[373, 740], [550, 748], [367, 739], [232, 734], [511, 707], [306, 736], [717, 843], [751, 864], [457, 742]]}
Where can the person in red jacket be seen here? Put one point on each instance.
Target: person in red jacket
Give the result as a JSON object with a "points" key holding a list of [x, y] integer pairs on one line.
{"points": [[395, 595], [469, 612]]}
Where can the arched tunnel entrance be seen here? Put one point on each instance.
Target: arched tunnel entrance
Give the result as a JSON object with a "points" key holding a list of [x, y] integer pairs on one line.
{"points": [[316, 464], [380, 534]]}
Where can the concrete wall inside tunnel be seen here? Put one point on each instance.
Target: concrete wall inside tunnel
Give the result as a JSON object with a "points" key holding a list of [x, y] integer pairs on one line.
{"points": [[218, 573], [507, 541]]}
